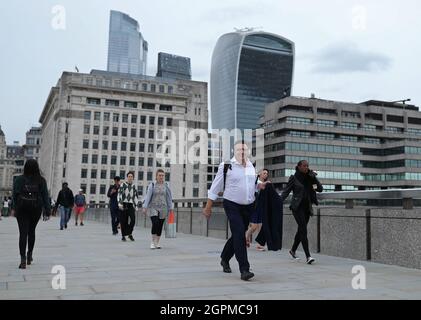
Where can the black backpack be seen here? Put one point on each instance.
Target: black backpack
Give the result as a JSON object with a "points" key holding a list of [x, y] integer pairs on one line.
{"points": [[28, 198]]}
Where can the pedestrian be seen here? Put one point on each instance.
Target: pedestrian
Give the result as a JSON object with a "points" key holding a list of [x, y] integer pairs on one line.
{"points": [[65, 202], [127, 203], [304, 185], [5, 207], [80, 206], [30, 197], [158, 203], [115, 213], [236, 179], [256, 218]]}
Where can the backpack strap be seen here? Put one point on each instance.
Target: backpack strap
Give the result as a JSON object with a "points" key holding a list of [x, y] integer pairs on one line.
{"points": [[227, 166]]}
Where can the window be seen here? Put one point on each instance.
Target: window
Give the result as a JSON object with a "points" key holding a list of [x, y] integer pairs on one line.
{"points": [[93, 101], [95, 144], [141, 162], [150, 162], [140, 175], [87, 115], [124, 132], [102, 189], [113, 160], [115, 132], [142, 119], [104, 159], [141, 147], [114, 145], [161, 88], [113, 173], [103, 174], [106, 116], [93, 174], [116, 117], [133, 133], [125, 118], [104, 145], [160, 121], [151, 120], [196, 178], [122, 161], [142, 133], [94, 159], [85, 144], [170, 89], [149, 177], [105, 131], [150, 147], [148, 106], [134, 118], [140, 190], [93, 189], [97, 116], [84, 173], [169, 122], [122, 174], [151, 134], [165, 107], [144, 86], [123, 146], [167, 176], [130, 104], [86, 129], [112, 103], [96, 130], [132, 161], [195, 192], [132, 147], [153, 87], [84, 158]]}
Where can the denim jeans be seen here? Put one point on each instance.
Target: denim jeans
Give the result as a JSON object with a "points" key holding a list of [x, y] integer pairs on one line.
{"points": [[64, 215]]}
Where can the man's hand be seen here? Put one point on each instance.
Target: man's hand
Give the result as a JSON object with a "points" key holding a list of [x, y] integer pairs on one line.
{"points": [[120, 207], [207, 212], [144, 211]]}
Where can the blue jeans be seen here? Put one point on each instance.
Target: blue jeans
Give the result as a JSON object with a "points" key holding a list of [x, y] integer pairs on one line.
{"points": [[64, 215]]}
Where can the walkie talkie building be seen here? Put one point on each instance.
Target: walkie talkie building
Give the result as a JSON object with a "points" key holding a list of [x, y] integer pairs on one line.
{"points": [[249, 70]]}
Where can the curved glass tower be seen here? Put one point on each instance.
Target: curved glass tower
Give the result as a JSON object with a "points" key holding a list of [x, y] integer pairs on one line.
{"points": [[249, 70], [127, 50]]}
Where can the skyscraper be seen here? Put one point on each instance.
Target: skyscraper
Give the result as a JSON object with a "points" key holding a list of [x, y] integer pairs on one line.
{"points": [[172, 66], [127, 49], [249, 70]]}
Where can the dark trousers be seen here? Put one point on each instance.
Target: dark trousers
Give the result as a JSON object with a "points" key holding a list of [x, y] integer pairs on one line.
{"points": [[27, 222], [115, 213], [239, 217], [302, 216], [157, 225], [127, 214]]}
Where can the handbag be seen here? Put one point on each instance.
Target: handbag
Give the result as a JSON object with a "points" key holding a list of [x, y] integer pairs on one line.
{"points": [[171, 226]]}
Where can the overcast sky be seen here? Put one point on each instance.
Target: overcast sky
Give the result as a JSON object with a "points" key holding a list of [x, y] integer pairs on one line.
{"points": [[345, 50]]}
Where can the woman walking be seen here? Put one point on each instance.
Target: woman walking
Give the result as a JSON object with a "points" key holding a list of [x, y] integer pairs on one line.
{"points": [[30, 196], [127, 203], [304, 185], [158, 203]]}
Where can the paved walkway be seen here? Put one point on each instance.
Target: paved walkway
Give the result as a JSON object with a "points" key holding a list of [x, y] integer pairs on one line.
{"points": [[100, 266]]}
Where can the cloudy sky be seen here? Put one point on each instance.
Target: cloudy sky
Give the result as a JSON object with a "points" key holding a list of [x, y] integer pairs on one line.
{"points": [[345, 50]]}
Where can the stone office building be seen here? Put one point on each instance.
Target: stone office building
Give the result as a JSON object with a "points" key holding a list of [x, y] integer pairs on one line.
{"points": [[103, 124]]}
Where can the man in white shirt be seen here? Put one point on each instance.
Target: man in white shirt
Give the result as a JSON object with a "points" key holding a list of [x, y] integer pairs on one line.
{"points": [[239, 197]]}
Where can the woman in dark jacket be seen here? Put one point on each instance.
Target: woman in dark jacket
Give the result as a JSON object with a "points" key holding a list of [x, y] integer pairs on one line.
{"points": [[30, 197], [304, 185]]}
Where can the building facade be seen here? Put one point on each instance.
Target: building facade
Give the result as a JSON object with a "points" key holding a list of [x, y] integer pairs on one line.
{"points": [[248, 71], [172, 66], [7, 169], [33, 143], [352, 146], [127, 49], [103, 124]]}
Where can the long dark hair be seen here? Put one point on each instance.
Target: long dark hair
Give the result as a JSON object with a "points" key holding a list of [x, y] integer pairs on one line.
{"points": [[31, 170], [299, 164]]}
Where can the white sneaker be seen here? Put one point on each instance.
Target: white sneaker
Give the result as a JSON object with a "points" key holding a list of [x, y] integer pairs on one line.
{"points": [[157, 246], [153, 245], [310, 260]]}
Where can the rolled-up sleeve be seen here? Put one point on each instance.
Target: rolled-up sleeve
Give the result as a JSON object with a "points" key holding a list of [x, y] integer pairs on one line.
{"points": [[217, 184]]}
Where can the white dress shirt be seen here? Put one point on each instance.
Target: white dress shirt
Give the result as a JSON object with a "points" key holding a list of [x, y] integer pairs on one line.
{"points": [[240, 184]]}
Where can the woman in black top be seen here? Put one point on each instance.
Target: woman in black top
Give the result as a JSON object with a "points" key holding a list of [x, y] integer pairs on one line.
{"points": [[304, 185], [30, 196]]}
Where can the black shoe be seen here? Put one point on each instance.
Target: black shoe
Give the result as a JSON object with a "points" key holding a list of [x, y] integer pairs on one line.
{"points": [[65, 226], [81, 224], [293, 255], [246, 275], [76, 224], [22, 263], [61, 228], [29, 259], [131, 238], [225, 266], [123, 239], [115, 233]]}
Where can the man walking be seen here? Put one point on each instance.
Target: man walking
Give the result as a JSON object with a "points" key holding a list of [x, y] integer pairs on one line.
{"points": [[237, 180], [65, 202], [112, 194], [127, 203], [80, 202]]}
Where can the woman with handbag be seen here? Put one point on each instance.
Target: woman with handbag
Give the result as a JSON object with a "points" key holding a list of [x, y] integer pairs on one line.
{"points": [[158, 203]]}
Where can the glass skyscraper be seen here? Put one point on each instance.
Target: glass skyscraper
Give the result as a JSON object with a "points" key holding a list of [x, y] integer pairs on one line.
{"points": [[249, 70], [172, 66], [127, 50]]}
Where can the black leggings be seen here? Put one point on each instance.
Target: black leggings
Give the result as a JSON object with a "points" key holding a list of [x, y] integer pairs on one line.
{"points": [[302, 216], [126, 226], [157, 225], [27, 222]]}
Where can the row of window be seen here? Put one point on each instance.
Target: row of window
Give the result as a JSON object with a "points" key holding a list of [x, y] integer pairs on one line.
{"points": [[123, 161], [151, 87], [124, 146], [128, 104], [116, 132], [104, 175], [106, 117]]}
